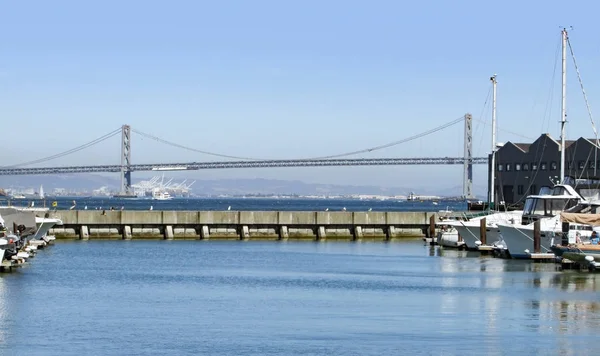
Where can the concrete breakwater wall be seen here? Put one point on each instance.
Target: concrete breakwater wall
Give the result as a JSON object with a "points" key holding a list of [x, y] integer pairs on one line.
{"points": [[276, 225]]}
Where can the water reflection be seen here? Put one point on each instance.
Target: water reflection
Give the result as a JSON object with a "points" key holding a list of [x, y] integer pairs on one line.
{"points": [[4, 311], [564, 305], [552, 302], [576, 282]]}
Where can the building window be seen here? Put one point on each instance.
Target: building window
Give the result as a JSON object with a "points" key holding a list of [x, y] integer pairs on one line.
{"points": [[517, 166], [581, 165], [520, 190], [543, 166], [525, 166], [500, 167], [553, 166], [534, 166], [533, 189], [508, 167], [592, 165], [569, 166]]}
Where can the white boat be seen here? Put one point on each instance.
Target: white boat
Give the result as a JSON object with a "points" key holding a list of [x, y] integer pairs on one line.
{"points": [[519, 237], [470, 231], [448, 236], [547, 203], [3, 246], [44, 225], [160, 192], [161, 195]]}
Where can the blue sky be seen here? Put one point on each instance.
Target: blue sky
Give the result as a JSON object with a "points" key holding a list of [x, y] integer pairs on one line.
{"points": [[288, 79]]}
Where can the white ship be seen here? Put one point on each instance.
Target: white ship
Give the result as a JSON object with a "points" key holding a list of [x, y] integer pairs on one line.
{"points": [[157, 188], [158, 194]]}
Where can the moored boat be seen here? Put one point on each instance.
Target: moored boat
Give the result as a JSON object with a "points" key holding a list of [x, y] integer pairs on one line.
{"points": [[448, 236]]}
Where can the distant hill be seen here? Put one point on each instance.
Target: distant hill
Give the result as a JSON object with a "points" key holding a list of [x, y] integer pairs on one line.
{"points": [[67, 181], [88, 182]]}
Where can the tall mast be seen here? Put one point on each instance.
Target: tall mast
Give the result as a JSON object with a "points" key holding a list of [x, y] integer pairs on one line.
{"points": [[493, 163], [563, 120]]}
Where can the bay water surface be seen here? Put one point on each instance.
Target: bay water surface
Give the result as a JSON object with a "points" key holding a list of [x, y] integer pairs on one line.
{"points": [[292, 298]]}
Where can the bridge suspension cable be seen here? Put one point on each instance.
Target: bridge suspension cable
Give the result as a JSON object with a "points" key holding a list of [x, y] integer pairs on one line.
{"points": [[507, 131], [158, 139], [371, 149], [68, 152]]}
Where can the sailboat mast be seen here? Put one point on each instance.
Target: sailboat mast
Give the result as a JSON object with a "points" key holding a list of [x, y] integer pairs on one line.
{"points": [[563, 120], [493, 163]]}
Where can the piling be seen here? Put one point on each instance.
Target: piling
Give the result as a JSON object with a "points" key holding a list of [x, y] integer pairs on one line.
{"points": [[431, 226], [84, 233], [389, 233], [565, 234], [358, 234], [126, 232], [245, 235], [483, 231], [204, 232], [283, 233], [169, 232], [536, 237], [321, 234]]}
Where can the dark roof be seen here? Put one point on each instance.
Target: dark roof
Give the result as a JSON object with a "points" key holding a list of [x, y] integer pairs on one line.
{"points": [[569, 143], [523, 146]]}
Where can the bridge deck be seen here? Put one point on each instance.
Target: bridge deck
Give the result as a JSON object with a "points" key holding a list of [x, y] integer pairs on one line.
{"points": [[242, 164]]}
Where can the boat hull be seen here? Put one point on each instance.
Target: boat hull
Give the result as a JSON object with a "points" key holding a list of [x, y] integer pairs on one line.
{"points": [[580, 257], [586, 249], [518, 240], [470, 234], [449, 239], [469, 231], [43, 226]]}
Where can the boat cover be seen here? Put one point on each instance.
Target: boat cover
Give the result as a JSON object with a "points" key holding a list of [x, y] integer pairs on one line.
{"points": [[586, 219]]}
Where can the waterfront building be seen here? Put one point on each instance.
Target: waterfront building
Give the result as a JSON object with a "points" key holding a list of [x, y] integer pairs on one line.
{"points": [[523, 168]]}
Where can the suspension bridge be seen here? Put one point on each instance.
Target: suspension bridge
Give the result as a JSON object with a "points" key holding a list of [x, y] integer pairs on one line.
{"points": [[125, 168]]}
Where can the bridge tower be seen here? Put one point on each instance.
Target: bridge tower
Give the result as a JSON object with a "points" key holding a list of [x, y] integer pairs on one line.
{"points": [[468, 162], [126, 160]]}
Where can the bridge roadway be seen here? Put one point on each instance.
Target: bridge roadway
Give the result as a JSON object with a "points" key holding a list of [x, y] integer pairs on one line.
{"points": [[8, 171]]}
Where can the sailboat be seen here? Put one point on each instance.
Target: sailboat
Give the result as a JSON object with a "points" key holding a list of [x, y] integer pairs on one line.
{"points": [[546, 208], [470, 231]]}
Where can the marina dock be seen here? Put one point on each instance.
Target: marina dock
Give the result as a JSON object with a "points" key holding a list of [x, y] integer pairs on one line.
{"points": [[269, 225]]}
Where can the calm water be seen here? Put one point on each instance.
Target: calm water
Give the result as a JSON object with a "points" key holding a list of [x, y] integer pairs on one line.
{"points": [[243, 204], [291, 298]]}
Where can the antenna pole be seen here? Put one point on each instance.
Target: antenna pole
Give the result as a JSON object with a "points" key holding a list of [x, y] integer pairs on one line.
{"points": [[493, 163], [563, 120]]}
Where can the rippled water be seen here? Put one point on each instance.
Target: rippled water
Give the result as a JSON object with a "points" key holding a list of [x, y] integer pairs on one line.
{"points": [[291, 298]]}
